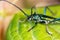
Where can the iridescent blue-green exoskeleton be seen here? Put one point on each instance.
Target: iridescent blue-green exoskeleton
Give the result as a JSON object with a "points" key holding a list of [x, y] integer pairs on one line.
{"points": [[37, 18]]}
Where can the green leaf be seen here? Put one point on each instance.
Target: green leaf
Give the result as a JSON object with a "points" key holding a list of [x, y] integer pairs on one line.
{"points": [[18, 28]]}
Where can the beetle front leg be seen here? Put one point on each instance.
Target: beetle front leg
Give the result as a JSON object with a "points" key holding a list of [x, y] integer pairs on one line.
{"points": [[32, 27]]}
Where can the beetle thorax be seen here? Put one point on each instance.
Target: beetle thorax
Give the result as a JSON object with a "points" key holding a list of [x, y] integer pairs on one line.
{"points": [[37, 18]]}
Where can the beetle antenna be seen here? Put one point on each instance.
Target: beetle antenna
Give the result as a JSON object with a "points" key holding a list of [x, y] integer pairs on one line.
{"points": [[16, 7], [50, 10]]}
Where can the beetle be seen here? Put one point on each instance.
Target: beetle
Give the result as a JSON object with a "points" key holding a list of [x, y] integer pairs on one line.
{"points": [[37, 18]]}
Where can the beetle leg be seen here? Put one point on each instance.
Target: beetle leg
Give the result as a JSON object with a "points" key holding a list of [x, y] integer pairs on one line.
{"points": [[32, 27], [51, 11], [32, 12], [47, 30], [45, 11], [55, 20]]}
